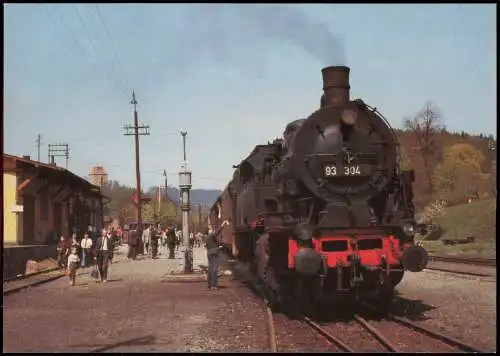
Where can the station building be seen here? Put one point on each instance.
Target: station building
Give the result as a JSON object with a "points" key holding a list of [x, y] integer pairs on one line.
{"points": [[42, 201]]}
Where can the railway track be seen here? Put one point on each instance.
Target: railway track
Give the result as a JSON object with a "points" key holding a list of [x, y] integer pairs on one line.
{"points": [[273, 345], [472, 262], [489, 262], [370, 336], [366, 331], [14, 285], [25, 276]]}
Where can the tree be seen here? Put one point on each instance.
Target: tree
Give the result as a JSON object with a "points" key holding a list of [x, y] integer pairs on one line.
{"points": [[459, 175], [120, 204], [404, 159], [427, 125], [168, 213]]}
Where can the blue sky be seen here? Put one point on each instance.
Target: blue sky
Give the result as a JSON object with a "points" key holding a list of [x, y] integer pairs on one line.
{"points": [[231, 75]]}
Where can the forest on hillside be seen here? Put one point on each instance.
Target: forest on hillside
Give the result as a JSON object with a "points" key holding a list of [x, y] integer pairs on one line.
{"points": [[450, 167]]}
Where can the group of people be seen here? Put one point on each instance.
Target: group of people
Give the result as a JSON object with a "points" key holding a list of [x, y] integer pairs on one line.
{"points": [[152, 237], [74, 253], [77, 253]]}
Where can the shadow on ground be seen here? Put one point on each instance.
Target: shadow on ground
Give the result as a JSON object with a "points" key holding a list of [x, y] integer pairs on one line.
{"points": [[344, 310], [115, 280], [139, 341]]}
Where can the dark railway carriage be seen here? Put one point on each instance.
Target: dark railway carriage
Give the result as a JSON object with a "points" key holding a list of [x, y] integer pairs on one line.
{"points": [[325, 211], [220, 211]]}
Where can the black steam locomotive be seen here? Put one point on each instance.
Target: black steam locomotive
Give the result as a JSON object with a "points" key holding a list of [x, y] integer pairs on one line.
{"points": [[326, 211]]}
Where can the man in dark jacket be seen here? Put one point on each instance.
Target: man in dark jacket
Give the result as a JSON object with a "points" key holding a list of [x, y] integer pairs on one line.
{"points": [[213, 249], [104, 254], [154, 242], [132, 240], [171, 242]]}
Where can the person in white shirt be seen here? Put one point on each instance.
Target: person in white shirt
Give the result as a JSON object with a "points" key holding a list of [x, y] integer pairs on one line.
{"points": [[191, 239], [73, 262], [146, 239], [86, 246], [178, 236]]}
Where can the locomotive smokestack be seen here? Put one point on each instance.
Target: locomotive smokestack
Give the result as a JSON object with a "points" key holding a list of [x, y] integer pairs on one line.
{"points": [[335, 86]]}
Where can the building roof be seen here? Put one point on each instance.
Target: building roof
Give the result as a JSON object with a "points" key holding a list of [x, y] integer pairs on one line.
{"points": [[60, 174]]}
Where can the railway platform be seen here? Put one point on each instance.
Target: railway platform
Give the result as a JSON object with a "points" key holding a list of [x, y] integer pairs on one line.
{"points": [[136, 311]]}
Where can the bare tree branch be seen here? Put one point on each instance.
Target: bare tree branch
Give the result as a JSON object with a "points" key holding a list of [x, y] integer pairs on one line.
{"points": [[427, 125]]}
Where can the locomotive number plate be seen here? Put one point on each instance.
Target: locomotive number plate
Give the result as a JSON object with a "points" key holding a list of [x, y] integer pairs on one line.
{"points": [[332, 170]]}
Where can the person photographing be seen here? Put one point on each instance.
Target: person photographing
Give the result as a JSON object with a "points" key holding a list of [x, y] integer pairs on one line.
{"points": [[213, 250]]}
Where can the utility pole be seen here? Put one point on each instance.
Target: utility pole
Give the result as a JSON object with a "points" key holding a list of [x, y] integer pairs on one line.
{"points": [[185, 187], [493, 148], [137, 131], [58, 150], [166, 186], [159, 202], [199, 218], [38, 143]]}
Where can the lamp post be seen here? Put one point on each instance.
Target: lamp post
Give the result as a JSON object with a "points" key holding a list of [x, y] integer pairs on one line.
{"points": [[185, 187]]}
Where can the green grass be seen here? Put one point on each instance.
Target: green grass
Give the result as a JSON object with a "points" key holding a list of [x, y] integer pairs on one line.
{"points": [[477, 219]]}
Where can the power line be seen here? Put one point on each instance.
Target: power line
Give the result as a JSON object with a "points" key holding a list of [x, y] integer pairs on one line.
{"points": [[94, 46], [113, 48], [158, 172], [118, 79], [82, 59], [59, 28], [94, 138], [74, 38]]}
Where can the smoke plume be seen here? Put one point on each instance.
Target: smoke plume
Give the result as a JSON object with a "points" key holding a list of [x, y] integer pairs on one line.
{"points": [[285, 23], [237, 34]]}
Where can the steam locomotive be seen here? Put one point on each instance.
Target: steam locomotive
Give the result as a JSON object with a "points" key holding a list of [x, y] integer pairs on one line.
{"points": [[324, 212]]}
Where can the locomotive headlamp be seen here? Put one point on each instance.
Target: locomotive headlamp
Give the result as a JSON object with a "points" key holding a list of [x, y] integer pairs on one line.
{"points": [[349, 117], [409, 228], [303, 232]]}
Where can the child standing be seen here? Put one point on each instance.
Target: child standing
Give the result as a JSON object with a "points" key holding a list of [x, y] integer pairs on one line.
{"points": [[73, 263]]}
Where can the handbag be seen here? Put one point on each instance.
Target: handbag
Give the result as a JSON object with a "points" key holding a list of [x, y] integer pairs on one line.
{"points": [[95, 272]]}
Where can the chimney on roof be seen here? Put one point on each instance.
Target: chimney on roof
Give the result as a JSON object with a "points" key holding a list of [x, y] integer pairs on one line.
{"points": [[27, 157]]}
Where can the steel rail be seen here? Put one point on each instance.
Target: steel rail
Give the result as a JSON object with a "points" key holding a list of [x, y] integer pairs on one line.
{"points": [[465, 260], [376, 333], [432, 333], [467, 273], [327, 335], [24, 276], [270, 324]]}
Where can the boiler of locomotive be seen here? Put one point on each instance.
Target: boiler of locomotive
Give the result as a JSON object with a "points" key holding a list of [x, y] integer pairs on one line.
{"points": [[343, 148]]}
